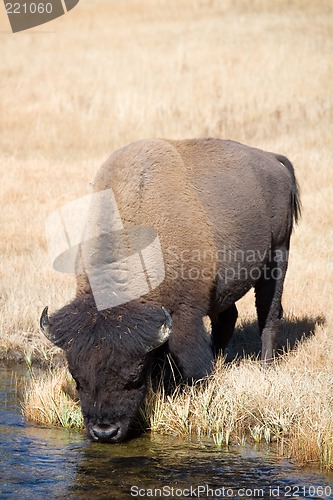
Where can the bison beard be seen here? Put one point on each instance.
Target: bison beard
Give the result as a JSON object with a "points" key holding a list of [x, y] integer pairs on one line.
{"points": [[202, 197]]}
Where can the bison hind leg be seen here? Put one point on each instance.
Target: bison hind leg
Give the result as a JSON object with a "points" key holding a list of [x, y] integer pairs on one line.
{"points": [[223, 328], [268, 302]]}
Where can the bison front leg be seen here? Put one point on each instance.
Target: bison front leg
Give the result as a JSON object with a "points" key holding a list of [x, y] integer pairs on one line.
{"points": [[190, 344], [223, 328], [268, 302]]}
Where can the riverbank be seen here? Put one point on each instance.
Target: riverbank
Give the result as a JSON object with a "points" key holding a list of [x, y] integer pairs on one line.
{"points": [[40, 461], [289, 404]]}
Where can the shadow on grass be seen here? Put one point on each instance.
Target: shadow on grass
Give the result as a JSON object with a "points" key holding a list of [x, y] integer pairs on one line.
{"points": [[246, 340]]}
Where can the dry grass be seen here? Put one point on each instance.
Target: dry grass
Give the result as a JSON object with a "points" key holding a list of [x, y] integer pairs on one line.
{"points": [[112, 72], [50, 398], [290, 404]]}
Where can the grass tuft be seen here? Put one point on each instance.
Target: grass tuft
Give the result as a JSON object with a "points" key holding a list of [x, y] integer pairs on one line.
{"points": [[49, 398], [242, 402]]}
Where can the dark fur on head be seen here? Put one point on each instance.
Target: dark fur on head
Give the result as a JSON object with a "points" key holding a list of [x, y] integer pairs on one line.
{"points": [[109, 355]]}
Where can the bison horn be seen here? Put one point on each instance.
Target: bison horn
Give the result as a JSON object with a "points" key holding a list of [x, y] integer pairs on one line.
{"points": [[45, 323], [163, 333], [168, 319]]}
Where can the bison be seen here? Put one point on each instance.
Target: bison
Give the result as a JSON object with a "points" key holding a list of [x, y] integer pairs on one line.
{"points": [[224, 213]]}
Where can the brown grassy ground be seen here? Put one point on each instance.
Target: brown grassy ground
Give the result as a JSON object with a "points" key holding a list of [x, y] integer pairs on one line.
{"points": [[112, 72]]}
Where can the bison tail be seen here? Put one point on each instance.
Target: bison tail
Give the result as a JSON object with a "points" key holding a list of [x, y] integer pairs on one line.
{"points": [[296, 199]]}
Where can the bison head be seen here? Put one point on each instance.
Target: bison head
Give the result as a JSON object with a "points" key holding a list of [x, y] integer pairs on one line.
{"points": [[109, 355]]}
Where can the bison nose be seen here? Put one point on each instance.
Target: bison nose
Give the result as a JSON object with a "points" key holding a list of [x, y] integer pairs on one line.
{"points": [[104, 432]]}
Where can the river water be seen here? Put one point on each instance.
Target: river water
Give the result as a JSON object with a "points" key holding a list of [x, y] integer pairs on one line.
{"points": [[38, 462]]}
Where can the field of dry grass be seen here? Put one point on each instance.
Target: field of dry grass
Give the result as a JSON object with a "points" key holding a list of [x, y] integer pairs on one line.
{"points": [[112, 72]]}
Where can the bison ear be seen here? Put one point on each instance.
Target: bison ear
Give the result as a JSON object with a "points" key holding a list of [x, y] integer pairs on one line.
{"points": [[163, 333]]}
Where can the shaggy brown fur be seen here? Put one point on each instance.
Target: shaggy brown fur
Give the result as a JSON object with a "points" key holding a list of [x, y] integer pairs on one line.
{"points": [[224, 214]]}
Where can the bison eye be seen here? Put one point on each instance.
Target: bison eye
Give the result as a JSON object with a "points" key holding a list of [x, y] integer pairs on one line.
{"points": [[135, 383]]}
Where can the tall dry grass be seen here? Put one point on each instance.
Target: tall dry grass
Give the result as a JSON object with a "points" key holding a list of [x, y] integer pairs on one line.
{"points": [[289, 403], [112, 72], [50, 398]]}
